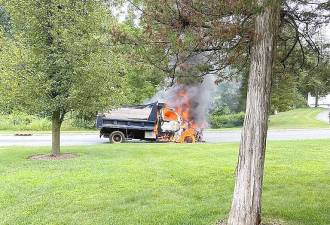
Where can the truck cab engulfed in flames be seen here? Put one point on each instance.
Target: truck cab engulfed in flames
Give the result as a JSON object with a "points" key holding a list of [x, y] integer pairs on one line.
{"points": [[151, 122]]}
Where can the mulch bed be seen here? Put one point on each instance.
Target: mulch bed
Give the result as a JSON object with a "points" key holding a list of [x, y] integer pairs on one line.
{"points": [[222, 222], [49, 157], [22, 134]]}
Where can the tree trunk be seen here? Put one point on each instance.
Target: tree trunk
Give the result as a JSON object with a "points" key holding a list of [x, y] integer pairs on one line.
{"points": [[316, 99], [56, 130], [246, 204]]}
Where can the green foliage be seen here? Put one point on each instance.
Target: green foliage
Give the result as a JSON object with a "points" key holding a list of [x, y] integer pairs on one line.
{"points": [[58, 59], [285, 95], [150, 184], [227, 121], [226, 98], [143, 79], [64, 57], [20, 121], [5, 21], [81, 122], [316, 81], [19, 87]]}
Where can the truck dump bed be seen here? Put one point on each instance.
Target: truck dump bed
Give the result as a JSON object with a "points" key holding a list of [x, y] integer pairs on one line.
{"points": [[129, 113], [142, 117]]}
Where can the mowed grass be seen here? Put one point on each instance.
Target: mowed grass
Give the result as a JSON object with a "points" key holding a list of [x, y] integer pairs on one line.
{"points": [[140, 184], [298, 118]]}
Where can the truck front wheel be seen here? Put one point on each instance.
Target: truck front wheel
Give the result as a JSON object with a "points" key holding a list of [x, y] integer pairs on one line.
{"points": [[117, 137]]}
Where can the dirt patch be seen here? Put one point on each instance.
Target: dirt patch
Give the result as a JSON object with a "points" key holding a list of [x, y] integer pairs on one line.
{"points": [[222, 222], [48, 157]]}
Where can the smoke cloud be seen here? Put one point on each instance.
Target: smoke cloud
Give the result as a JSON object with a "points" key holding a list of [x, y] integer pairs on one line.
{"points": [[197, 95]]}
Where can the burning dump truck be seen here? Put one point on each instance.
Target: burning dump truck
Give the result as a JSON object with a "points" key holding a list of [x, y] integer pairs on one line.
{"points": [[177, 114], [152, 122]]}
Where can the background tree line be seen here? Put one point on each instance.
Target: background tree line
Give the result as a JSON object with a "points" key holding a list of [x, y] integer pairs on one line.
{"points": [[58, 58], [138, 67]]}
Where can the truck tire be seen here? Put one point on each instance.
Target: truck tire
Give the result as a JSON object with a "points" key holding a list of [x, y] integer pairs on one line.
{"points": [[117, 137], [188, 140]]}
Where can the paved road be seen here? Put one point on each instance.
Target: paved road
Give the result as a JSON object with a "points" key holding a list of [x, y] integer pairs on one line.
{"points": [[324, 116], [210, 137]]}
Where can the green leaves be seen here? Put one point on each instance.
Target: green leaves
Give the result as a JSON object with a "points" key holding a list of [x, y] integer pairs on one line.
{"points": [[59, 58]]}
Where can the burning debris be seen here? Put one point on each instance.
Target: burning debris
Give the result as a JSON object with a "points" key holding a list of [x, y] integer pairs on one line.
{"points": [[191, 103]]}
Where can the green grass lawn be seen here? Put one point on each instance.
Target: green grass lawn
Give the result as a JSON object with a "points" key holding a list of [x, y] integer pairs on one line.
{"points": [[298, 118], [139, 184], [294, 119]]}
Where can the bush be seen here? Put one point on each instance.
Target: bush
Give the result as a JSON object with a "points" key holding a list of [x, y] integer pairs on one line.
{"points": [[20, 121], [83, 123], [227, 121]]}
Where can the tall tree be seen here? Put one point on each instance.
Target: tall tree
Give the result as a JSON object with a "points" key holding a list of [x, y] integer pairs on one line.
{"points": [[68, 67], [232, 34], [246, 205]]}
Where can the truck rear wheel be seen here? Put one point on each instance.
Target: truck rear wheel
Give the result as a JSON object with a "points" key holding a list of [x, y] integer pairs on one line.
{"points": [[117, 137], [188, 139]]}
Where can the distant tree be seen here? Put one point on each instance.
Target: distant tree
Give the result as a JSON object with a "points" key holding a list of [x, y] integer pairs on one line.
{"points": [[142, 78], [316, 81], [58, 60], [226, 98], [285, 94], [295, 76]]}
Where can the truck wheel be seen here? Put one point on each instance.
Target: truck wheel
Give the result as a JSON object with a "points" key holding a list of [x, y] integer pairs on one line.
{"points": [[188, 139], [117, 137]]}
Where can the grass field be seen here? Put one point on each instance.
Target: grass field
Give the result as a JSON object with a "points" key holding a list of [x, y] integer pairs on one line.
{"points": [[294, 119], [298, 118], [140, 184]]}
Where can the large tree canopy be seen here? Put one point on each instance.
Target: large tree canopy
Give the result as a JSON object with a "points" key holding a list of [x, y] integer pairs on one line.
{"points": [[222, 31], [56, 60]]}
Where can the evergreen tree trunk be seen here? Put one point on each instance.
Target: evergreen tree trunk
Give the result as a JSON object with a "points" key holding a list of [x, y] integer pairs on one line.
{"points": [[246, 204], [56, 133]]}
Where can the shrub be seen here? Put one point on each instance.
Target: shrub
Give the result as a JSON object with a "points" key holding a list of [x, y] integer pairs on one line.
{"points": [[20, 121], [83, 123], [227, 121]]}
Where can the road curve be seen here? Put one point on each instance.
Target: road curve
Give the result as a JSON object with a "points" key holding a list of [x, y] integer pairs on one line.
{"points": [[210, 136], [324, 116]]}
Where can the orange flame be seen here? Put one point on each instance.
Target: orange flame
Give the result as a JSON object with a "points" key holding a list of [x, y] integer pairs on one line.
{"points": [[183, 106]]}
